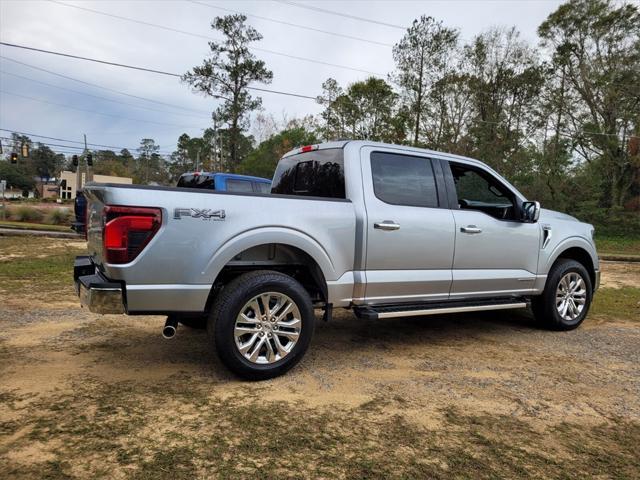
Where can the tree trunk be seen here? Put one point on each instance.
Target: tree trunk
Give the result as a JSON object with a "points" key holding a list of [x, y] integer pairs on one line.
{"points": [[419, 100]]}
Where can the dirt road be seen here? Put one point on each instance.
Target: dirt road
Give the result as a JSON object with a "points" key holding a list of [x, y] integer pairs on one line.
{"points": [[467, 396]]}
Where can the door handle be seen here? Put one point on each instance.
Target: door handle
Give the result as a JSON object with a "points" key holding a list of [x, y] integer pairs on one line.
{"points": [[387, 225], [471, 229]]}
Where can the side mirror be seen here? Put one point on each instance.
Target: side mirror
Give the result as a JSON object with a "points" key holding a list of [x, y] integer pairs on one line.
{"points": [[530, 212]]}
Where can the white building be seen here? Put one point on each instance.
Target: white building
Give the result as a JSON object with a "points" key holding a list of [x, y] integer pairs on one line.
{"points": [[68, 182]]}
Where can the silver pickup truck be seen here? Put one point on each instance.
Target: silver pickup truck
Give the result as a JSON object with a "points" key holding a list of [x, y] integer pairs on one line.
{"points": [[384, 230]]}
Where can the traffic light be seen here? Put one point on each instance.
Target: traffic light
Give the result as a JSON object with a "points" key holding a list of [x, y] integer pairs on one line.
{"points": [[25, 150], [74, 160], [89, 160], [14, 157]]}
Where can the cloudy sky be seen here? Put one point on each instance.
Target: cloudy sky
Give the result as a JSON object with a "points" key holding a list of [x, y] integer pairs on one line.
{"points": [[172, 36]]}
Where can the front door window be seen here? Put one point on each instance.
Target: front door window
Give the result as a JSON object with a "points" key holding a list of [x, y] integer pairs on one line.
{"points": [[477, 190]]}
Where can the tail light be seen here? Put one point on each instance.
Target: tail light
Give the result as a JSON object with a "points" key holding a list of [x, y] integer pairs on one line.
{"points": [[127, 231]]}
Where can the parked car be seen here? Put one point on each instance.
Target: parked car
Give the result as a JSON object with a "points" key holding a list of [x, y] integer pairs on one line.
{"points": [[388, 231], [225, 182]]}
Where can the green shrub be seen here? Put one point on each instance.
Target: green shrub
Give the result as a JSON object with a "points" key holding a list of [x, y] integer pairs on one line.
{"points": [[24, 213], [58, 216]]}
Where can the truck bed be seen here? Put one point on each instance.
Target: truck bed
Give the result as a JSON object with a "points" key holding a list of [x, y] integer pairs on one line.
{"points": [[203, 230]]}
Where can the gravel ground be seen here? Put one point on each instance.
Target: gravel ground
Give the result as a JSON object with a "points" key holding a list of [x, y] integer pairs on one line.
{"points": [[105, 396]]}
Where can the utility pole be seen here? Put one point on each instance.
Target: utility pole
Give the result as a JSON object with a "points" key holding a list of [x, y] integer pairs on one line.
{"points": [[87, 174], [3, 186]]}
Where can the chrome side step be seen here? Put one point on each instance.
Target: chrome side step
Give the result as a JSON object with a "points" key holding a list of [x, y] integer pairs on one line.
{"points": [[397, 311]]}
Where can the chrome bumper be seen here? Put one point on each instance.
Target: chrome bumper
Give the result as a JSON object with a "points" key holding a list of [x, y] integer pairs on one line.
{"points": [[97, 293]]}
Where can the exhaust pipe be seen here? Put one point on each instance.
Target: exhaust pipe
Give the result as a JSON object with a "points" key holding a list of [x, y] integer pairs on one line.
{"points": [[170, 327]]}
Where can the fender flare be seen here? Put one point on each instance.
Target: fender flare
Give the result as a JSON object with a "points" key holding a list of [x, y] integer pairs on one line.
{"points": [[265, 235], [567, 243]]}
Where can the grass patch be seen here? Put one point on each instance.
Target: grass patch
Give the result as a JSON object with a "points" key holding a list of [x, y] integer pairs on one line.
{"points": [[181, 429], [613, 245], [48, 268], [621, 303], [25, 213], [34, 226]]}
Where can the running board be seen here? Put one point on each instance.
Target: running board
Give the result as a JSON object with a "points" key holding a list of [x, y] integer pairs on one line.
{"points": [[374, 312]]}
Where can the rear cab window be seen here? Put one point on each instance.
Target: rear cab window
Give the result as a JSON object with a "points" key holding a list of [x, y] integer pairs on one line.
{"points": [[318, 173], [197, 181]]}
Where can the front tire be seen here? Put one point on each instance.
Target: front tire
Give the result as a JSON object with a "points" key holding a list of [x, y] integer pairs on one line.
{"points": [[566, 298], [262, 323]]}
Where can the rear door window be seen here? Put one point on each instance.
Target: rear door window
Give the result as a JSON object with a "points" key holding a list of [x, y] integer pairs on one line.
{"points": [[404, 179], [318, 173]]}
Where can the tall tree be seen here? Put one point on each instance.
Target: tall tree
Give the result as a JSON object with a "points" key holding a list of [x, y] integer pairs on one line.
{"points": [[505, 78], [371, 106], [334, 111], [263, 159], [227, 73], [45, 162], [597, 44], [421, 58], [148, 160], [366, 110]]}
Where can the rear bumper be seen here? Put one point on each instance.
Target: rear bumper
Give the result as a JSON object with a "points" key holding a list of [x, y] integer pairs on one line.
{"points": [[96, 292]]}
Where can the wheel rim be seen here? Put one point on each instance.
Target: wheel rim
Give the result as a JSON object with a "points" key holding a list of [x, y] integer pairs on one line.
{"points": [[571, 296], [267, 328]]}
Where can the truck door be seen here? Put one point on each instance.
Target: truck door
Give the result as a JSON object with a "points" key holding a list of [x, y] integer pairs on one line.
{"points": [[409, 227], [496, 254]]}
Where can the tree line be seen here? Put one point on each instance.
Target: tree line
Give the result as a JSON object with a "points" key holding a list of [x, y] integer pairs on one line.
{"points": [[559, 118]]}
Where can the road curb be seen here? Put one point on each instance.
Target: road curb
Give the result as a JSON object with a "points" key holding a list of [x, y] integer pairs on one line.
{"points": [[15, 232], [619, 258]]}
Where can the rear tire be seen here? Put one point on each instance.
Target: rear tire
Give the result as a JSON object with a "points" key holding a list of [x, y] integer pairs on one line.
{"points": [[566, 298], [262, 323]]}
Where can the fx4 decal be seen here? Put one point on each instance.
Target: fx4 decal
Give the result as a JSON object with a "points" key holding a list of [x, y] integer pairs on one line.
{"points": [[204, 213]]}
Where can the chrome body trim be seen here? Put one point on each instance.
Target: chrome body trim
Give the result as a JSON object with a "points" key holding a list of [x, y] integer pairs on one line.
{"points": [[438, 311]]}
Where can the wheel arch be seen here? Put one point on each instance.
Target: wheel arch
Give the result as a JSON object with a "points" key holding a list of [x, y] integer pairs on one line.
{"points": [[286, 250], [579, 250]]}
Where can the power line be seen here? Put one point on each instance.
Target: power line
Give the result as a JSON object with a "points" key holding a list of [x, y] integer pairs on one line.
{"points": [[296, 25], [94, 111], [198, 35], [340, 14], [133, 67], [102, 87], [63, 149], [66, 140], [50, 144], [97, 96], [78, 57]]}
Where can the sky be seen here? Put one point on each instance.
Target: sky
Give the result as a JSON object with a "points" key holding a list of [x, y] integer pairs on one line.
{"points": [[38, 102]]}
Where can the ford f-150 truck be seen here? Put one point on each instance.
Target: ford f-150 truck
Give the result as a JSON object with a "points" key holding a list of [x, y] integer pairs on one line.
{"points": [[385, 230]]}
